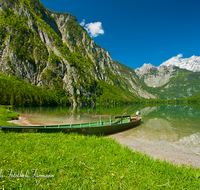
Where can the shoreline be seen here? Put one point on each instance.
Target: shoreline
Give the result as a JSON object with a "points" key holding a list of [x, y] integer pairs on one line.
{"points": [[176, 154], [20, 121]]}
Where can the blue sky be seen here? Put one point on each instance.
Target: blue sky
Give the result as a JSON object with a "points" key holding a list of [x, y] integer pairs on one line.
{"points": [[139, 31]]}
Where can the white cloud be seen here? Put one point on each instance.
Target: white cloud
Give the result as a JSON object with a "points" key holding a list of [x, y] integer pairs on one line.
{"points": [[179, 56], [93, 29]]}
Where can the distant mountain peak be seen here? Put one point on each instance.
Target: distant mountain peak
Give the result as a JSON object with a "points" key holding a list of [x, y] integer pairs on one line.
{"points": [[144, 69], [148, 65]]}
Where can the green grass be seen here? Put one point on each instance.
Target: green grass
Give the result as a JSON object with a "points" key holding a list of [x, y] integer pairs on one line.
{"points": [[84, 162], [6, 115]]}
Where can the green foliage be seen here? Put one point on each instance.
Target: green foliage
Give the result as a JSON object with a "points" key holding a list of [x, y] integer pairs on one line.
{"points": [[48, 75], [153, 102], [64, 50], [111, 94], [54, 59], [82, 64], [19, 93], [75, 31], [34, 6], [6, 115], [195, 98]]}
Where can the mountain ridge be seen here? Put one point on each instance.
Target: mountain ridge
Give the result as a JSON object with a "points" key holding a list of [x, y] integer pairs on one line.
{"points": [[191, 64], [168, 82]]}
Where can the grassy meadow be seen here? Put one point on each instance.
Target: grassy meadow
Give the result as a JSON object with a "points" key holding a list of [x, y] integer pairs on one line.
{"points": [[72, 161]]}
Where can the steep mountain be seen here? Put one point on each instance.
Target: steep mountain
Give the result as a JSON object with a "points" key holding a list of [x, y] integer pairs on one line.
{"points": [[155, 76], [51, 49], [168, 82], [191, 64]]}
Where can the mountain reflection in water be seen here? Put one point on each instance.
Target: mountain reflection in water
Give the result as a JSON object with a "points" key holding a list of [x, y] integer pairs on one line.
{"points": [[168, 123]]}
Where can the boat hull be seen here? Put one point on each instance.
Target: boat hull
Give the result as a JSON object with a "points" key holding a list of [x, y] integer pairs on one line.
{"points": [[93, 130]]}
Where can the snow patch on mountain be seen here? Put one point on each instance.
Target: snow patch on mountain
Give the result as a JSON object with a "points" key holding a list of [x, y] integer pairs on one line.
{"points": [[192, 63]]}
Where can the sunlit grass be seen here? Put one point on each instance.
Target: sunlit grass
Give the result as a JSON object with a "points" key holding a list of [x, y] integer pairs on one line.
{"points": [[71, 161], [6, 115]]}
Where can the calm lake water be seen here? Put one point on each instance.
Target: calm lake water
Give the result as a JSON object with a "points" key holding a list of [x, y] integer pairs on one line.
{"points": [[169, 123]]}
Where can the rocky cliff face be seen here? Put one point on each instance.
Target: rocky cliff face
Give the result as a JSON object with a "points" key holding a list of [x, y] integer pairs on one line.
{"points": [[168, 82], [155, 76], [51, 49]]}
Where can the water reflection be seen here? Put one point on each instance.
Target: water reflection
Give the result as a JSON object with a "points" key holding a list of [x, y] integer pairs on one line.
{"points": [[168, 123], [64, 115], [171, 133]]}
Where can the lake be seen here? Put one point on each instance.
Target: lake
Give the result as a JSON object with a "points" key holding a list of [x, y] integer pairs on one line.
{"points": [[170, 132]]}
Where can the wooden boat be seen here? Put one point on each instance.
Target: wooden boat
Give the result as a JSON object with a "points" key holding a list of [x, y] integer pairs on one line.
{"points": [[97, 128]]}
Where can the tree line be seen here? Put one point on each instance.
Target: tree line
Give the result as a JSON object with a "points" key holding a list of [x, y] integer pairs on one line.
{"points": [[17, 92]]}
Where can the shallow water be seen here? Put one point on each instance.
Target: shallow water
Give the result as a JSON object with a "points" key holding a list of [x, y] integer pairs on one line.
{"points": [[65, 115], [171, 133]]}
